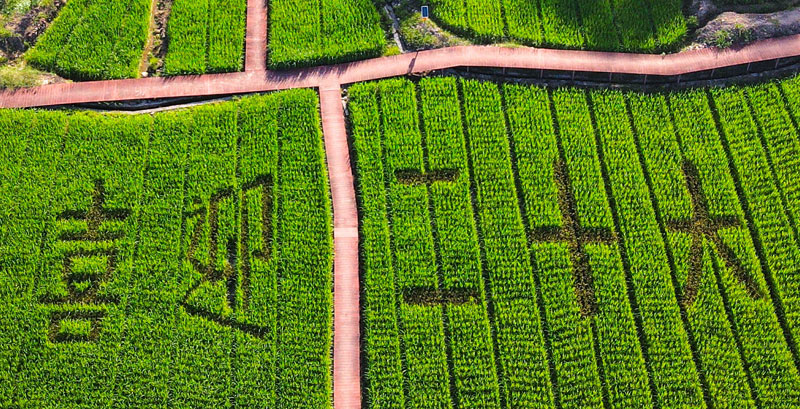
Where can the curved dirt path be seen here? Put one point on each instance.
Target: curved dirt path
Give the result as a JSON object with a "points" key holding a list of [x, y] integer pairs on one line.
{"points": [[260, 80]]}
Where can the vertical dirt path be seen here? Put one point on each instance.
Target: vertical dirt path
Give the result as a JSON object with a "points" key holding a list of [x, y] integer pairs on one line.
{"points": [[256, 36], [148, 47], [346, 330]]}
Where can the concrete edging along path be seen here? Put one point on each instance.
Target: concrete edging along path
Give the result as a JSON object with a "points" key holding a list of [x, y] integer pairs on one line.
{"points": [[328, 79]]}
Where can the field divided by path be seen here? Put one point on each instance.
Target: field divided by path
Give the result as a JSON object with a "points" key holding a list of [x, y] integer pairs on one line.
{"points": [[182, 258], [565, 248], [531, 285]]}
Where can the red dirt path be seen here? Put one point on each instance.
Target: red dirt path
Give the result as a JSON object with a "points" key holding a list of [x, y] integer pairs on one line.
{"points": [[475, 56], [346, 337]]}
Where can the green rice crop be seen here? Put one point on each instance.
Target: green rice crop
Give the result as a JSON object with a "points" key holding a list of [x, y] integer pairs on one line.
{"points": [[205, 36], [615, 25], [100, 187], [706, 314], [313, 32], [602, 248], [94, 40]]}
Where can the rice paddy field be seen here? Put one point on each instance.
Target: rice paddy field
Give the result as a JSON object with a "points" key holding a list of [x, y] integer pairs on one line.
{"points": [[525, 247], [180, 259], [520, 247], [108, 39], [92, 40], [313, 32], [619, 25], [205, 36]]}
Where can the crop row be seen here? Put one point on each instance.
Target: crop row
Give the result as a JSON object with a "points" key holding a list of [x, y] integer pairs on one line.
{"points": [[458, 248], [762, 196], [629, 25], [92, 40], [313, 32], [676, 384], [620, 359], [630, 257], [205, 36], [151, 346]]}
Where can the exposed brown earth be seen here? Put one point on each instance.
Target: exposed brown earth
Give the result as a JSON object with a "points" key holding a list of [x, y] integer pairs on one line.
{"points": [[156, 47], [26, 28], [736, 25], [748, 27]]}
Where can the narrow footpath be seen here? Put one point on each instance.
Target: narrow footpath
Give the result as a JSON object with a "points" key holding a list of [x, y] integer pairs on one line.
{"points": [[346, 307], [257, 79], [255, 51]]}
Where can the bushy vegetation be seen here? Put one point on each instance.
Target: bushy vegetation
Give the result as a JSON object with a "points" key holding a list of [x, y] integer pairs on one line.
{"points": [[313, 32], [600, 248], [180, 258], [626, 25], [92, 40], [205, 36]]}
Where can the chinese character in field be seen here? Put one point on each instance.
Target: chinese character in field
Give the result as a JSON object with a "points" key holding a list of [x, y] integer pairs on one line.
{"points": [[434, 296], [702, 227], [86, 244], [220, 253], [576, 237]]}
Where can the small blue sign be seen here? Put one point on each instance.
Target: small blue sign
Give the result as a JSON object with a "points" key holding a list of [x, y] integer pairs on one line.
{"points": [[424, 11]]}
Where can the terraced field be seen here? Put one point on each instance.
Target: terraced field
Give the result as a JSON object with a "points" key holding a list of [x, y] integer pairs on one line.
{"points": [[178, 259], [626, 25], [533, 248]]}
